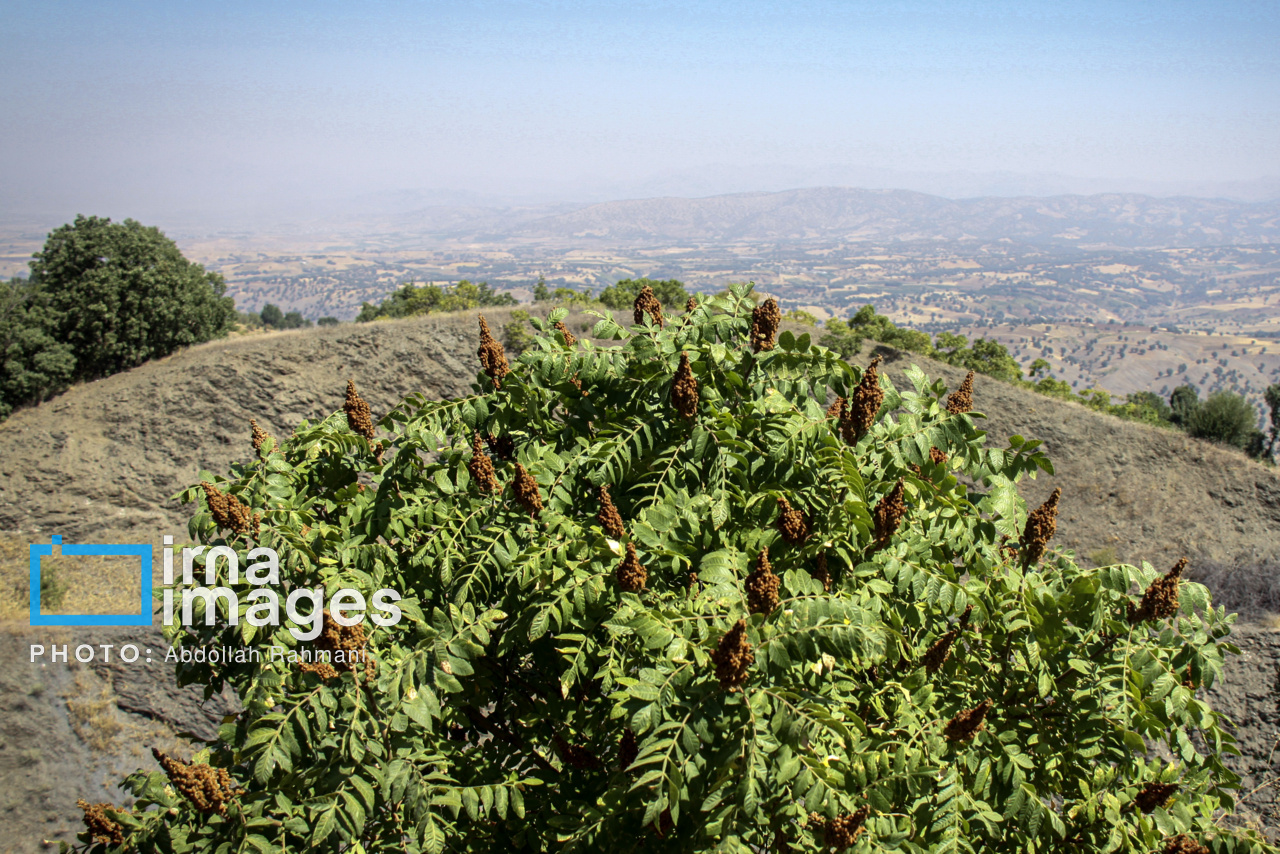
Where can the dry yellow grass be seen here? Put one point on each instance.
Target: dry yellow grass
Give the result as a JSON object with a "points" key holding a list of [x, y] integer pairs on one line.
{"points": [[92, 711], [88, 585]]}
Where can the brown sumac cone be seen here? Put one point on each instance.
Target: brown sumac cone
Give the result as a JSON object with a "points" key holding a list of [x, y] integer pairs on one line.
{"points": [[733, 657], [937, 654], [575, 756], [503, 447], [631, 575], [821, 572], [961, 400], [684, 389], [481, 467], [610, 518], [559, 326], [836, 409], [690, 304], [492, 357], [359, 418], [1183, 844], [888, 513], [209, 789], [860, 409], [647, 303], [968, 723], [324, 669], [963, 622], [526, 491], [762, 586], [628, 749], [1161, 598], [764, 325], [938, 458], [347, 647], [259, 436], [1041, 525], [217, 502], [1154, 795], [843, 831], [228, 512], [102, 828], [792, 524]]}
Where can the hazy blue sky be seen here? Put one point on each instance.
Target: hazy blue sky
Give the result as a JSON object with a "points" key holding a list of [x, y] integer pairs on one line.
{"points": [[123, 106]]}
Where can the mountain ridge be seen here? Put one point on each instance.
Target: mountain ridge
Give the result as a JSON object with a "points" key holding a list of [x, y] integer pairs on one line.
{"points": [[812, 214], [826, 213]]}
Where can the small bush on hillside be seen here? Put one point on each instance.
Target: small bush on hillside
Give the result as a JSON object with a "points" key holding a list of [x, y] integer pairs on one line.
{"points": [[1184, 400], [273, 318], [712, 590], [620, 295], [1149, 407], [1223, 417], [516, 335], [986, 356], [840, 339], [412, 300]]}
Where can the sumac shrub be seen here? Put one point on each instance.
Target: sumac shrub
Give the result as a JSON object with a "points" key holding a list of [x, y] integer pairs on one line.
{"points": [[554, 686]]}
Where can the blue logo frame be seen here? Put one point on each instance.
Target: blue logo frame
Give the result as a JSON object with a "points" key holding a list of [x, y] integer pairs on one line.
{"points": [[142, 552]]}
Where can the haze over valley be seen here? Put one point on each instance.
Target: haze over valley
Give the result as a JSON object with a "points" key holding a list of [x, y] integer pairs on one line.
{"points": [[1119, 291]]}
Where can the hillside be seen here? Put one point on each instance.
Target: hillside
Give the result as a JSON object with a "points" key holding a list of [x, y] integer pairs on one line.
{"points": [[99, 463], [106, 456]]}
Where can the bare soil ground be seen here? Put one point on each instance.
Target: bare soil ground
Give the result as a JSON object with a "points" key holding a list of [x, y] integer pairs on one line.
{"points": [[99, 464]]}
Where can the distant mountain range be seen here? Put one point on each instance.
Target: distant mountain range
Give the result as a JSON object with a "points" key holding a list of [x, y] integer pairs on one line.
{"points": [[712, 179], [825, 214], [833, 213]]}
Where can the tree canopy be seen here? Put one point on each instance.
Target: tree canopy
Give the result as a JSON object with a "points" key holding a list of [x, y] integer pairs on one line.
{"points": [[103, 297], [712, 590], [33, 362], [122, 293]]}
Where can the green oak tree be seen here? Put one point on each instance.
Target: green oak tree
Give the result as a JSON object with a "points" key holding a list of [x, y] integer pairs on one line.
{"points": [[118, 294]]}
